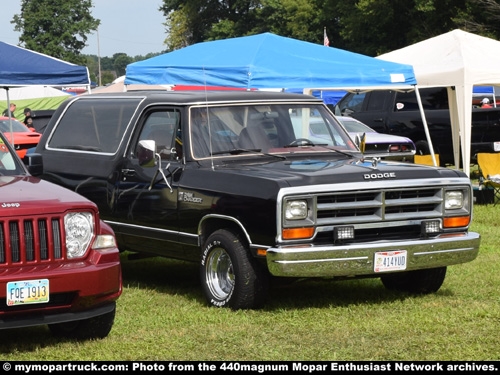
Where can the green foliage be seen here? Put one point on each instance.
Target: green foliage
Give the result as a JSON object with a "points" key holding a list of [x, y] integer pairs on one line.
{"points": [[370, 27], [56, 28], [121, 61], [162, 315]]}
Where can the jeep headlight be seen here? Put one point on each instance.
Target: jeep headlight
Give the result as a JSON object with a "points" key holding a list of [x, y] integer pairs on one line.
{"points": [[453, 199], [296, 210], [79, 227]]}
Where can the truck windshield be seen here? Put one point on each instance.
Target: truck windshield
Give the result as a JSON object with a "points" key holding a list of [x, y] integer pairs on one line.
{"points": [[274, 128]]}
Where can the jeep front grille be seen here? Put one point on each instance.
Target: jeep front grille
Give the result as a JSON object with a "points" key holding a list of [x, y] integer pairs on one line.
{"points": [[30, 240]]}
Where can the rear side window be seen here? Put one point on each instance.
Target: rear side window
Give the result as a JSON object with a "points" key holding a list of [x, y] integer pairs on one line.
{"points": [[94, 125], [432, 98]]}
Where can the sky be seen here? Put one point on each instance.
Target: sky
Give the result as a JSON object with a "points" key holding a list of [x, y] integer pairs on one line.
{"points": [[134, 27]]}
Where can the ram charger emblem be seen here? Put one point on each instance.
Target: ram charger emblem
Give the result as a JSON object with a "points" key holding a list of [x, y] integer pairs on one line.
{"points": [[378, 176], [189, 197]]}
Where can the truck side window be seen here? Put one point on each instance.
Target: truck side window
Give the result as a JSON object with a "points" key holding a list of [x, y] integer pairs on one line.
{"points": [[376, 100], [352, 103], [93, 125], [432, 98], [162, 127]]}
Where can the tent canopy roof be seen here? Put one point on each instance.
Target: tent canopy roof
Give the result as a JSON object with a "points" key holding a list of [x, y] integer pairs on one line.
{"points": [[458, 60], [456, 57], [265, 61], [22, 67]]}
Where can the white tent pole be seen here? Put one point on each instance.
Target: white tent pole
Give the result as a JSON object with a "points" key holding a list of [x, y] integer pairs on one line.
{"points": [[426, 127], [10, 116]]}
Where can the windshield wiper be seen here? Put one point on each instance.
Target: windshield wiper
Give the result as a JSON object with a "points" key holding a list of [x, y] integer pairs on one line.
{"points": [[238, 151], [306, 142]]}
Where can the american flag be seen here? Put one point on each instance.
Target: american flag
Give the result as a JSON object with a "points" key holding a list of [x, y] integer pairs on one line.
{"points": [[326, 41]]}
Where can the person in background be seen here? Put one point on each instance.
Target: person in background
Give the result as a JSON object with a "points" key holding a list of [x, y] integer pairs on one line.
{"points": [[27, 113], [28, 121], [11, 109], [485, 103]]}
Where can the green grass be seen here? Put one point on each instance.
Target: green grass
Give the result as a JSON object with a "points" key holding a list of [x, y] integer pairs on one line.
{"points": [[162, 316]]}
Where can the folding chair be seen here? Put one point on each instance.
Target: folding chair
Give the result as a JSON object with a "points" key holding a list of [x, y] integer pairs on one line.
{"points": [[489, 169], [425, 159]]}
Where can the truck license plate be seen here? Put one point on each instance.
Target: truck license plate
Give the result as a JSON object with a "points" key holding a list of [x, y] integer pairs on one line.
{"points": [[390, 261], [27, 291]]}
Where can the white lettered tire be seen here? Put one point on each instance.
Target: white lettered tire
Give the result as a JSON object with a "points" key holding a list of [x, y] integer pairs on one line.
{"points": [[230, 276]]}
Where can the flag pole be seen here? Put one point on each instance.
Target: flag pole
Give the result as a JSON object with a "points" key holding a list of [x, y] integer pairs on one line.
{"points": [[326, 41]]}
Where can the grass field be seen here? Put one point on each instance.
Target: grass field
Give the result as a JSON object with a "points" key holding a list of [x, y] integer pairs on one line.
{"points": [[162, 316]]}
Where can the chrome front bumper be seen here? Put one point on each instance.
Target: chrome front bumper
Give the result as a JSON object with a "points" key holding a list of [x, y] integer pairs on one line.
{"points": [[358, 259]]}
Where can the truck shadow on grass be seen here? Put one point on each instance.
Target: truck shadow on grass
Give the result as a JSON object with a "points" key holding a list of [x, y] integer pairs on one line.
{"points": [[182, 278]]}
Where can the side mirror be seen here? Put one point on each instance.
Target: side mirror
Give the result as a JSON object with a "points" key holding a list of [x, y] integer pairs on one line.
{"points": [[146, 151], [34, 163]]}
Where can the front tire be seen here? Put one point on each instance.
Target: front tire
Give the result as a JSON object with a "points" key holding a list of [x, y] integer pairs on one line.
{"points": [[97, 327], [230, 276], [417, 282]]}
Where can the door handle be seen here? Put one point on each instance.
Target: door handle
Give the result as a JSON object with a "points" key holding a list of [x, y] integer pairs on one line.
{"points": [[128, 172]]}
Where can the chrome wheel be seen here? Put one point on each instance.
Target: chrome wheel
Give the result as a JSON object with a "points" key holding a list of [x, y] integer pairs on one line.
{"points": [[220, 274]]}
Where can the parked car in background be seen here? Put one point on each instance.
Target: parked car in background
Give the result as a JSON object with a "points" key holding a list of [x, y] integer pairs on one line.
{"points": [[19, 135], [59, 263], [398, 113], [385, 145], [41, 118]]}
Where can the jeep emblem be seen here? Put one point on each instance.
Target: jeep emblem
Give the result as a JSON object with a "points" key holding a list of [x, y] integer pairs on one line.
{"points": [[375, 176]]}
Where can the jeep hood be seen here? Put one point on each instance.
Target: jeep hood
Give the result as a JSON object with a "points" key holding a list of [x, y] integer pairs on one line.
{"points": [[24, 195]]}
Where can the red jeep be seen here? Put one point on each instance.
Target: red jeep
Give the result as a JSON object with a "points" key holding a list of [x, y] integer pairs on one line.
{"points": [[59, 263]]}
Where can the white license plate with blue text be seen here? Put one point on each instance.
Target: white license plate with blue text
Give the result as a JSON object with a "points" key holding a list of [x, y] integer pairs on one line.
{"points": [[27, 291], [390, 261]]}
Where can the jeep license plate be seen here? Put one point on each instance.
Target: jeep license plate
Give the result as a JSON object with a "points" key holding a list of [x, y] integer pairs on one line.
{"points": [[27, 291], [390, 261]]}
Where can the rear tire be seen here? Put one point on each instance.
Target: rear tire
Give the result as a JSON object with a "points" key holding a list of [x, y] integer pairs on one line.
{"points": [[230, 276], [417, 282]]}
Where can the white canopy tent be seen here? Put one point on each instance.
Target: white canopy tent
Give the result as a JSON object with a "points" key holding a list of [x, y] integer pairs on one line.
{"points": [[457, 60]]}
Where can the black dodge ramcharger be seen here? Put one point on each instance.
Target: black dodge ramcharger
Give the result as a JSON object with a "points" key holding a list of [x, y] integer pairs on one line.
{"points": [[255, 186]]}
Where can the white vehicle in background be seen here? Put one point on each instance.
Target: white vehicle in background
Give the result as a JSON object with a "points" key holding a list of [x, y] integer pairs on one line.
{"points": [[387, 146]]}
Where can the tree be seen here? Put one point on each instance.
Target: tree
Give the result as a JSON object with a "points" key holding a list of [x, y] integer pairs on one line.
{"points": [[121, 60], [57, 28]]}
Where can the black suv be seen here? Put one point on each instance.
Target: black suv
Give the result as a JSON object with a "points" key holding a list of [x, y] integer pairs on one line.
{"points": [[256, 185]]}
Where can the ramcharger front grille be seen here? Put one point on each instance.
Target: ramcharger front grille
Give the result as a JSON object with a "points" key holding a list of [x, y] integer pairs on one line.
{"points": [[378, 205], [375, 210], [28, 240]]}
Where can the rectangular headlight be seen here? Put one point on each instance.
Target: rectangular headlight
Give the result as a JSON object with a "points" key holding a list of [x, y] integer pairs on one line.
{"points": [[296, 210], [453, 199]]}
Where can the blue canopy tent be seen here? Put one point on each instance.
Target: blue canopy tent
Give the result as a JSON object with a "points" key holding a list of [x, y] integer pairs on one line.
{"points": [[329, 97], [22, 67], [268, 61]]}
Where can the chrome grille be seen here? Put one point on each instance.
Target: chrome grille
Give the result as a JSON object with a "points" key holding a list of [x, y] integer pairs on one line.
{"points": [[30, 240], [378, 205]]}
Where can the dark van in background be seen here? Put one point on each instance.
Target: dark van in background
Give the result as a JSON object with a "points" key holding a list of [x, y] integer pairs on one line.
{"points": [[396, 112]]}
